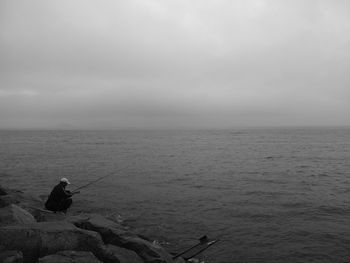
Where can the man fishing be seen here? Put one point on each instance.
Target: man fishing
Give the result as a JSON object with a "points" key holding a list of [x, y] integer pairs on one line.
{"points": [[60, 199]]}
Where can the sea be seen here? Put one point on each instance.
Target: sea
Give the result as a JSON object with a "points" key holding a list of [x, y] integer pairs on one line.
{"points": [[267, 194]]}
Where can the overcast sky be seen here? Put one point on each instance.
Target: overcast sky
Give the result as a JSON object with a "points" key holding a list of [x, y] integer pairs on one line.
{"points": [[178, 64]]}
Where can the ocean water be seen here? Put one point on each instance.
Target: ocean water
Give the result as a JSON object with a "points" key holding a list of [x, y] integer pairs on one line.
{"points": [[269, 195]]}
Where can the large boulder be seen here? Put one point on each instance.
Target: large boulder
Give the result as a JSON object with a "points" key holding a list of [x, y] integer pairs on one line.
{"points": [[11, 256], [45, 238], [70, 257], [30, 202], [13, 214], [113, 233], [25, 200]]}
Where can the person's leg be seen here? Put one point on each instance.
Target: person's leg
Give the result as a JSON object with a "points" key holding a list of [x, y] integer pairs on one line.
{"points": [[65, 204], [52, 207]]}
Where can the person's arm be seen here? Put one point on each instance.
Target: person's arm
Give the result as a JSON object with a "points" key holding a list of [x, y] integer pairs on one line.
{"points": [[67, 193], [75, 192]]}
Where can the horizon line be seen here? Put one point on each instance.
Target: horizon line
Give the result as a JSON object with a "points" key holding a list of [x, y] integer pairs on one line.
{"points": [[177, 128]]}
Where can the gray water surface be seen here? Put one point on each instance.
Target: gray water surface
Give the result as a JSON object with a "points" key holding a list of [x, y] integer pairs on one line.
{"points": [[270, 195]]}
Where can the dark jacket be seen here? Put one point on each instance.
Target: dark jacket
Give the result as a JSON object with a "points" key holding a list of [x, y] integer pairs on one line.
{"points": [[57, 195]]}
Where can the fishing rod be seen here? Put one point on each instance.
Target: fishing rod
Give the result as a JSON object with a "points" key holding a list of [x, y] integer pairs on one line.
{"points": [[204, 243], [90, 183]]}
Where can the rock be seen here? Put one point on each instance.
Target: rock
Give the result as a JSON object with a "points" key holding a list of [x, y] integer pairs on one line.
{"points": [[25, 200], [123, 255], [77, 219], [70, 257], [43, 215], [29, 202], [2, 191], [40, 239], [113, 233], [13, 214], [68, 238], [11, 256], [80, 220], [4, 201]]}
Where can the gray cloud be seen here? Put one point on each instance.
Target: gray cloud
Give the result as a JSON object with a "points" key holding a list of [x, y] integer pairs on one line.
{"points": [[150, 63]]}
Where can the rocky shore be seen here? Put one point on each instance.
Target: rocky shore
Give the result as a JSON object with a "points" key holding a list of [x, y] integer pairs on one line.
{"points": [[30, 234]]}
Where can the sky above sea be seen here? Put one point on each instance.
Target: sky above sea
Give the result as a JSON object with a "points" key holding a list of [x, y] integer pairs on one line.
{"points": [[106, 64]]}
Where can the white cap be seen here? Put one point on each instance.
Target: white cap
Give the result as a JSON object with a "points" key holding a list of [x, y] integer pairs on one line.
{"points": [[64, 180]]}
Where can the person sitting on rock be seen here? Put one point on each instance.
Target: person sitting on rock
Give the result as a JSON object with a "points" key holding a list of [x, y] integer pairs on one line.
{"points": [[60, 199]]}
